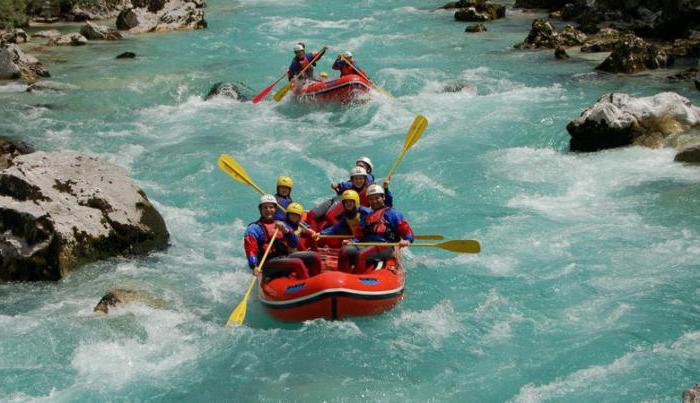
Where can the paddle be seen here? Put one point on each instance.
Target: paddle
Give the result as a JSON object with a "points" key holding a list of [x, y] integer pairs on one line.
{"points": [[267, 89], [227, 164], [425, 237], [361, 74], [457, 246], [283, 91], [238, 314], [414, 133]]}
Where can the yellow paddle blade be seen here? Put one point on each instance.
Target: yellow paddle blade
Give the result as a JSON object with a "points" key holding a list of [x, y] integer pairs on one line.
{"points": [[227, 164], [282, 92], [414, 133], [460, 246], [238, 314]]}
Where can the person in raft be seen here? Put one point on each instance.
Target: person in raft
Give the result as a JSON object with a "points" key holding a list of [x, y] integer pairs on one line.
{"points": [[363, 162], [349, 221], [344, 67], [323, 76], [279, 261], [283, 196], [301, 59], [306, 235], [357, 182], [382, 224]]}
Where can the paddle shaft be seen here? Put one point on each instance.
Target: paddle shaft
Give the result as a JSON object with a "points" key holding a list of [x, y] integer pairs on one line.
{"points": [[267, 89], [427, 237], [363, 75]]}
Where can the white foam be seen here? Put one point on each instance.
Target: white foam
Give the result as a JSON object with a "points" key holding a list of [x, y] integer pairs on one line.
{"points": [[435, 324], [421, 182]]}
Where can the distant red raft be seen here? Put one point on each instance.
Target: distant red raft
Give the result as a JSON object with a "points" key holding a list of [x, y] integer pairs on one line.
{"points": [[333, 294], [345, 89]]}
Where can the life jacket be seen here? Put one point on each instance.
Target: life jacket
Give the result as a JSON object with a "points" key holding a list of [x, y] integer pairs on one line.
{"points": [[302, 64], [278, 248], [354, 224], [363, 195], [377, 224]]}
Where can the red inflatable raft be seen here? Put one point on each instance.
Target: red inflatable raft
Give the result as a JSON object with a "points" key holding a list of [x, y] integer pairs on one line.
{"points": [[348, 88], [334, 294]]}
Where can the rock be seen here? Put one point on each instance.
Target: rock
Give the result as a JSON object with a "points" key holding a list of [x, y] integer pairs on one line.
{"points": [[16, 35], [688, 74], [619, 119], [49, 86], [162, 15], [542, 35], [16, 64], [546, 4], [462, 4], [631, 54], [555, 15], [126, 55], [226, 90], [74, 39], [115, 296], [459, 87], [470, 14], [692, 395], [99, 32], [573, 10], [685, 48], [9, 149], [692, 155], [697, 82], [475, 28], [603, 41], [49, 34], [60, 210], [560, 53], [570, 36], [96, 9]]}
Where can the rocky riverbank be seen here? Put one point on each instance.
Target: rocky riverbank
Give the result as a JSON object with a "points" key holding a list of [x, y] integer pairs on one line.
{"points": [[59, 210]]}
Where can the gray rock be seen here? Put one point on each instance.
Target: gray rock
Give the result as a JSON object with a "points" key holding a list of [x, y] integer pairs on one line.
{"points": [[62, 209], [16, 35], [228, 90], [16, 64], [619, 119], [74, 39], [603, 41], [684, 75], [48, 34], [126, 55], [478, 11], [545, 4], [632, 54], [692, 395], [96, 9], [121, 296], [560, 54], [570, 36], [99, 32], [162, 15], [10, 149], [542, 35]]}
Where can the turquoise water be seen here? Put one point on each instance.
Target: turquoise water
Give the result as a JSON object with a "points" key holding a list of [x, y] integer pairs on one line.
{"points": [[587, 287]]}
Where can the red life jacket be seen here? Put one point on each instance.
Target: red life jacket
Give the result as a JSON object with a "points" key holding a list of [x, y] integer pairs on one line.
{"points": [[376, 224], [363, 196], [303, 63], [279, 247]]}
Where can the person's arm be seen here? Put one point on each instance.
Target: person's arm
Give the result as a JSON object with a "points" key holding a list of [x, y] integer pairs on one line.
{"points": [[289, 235], [401, 226], [338, 64], [250, 246], [334, 229], [388, 197]]}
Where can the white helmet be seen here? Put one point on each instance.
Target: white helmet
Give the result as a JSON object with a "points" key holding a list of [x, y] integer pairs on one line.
{"points": [[358, 171], [298, 46], [375, 189], [367, 161], [266, 199], [347, 54]]}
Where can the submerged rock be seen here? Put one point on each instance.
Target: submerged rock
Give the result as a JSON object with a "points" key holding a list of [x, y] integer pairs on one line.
{"points": [[126, 55], [692, 395], [475, 28], [560, 54], [162, 15], [688, 74], [619, 119], [60, 210], [228, 90], [690, 154], [99, 32], [10, 149], [632, 54], [16, 64], [116, 296], [74, 39], [459, 87]]}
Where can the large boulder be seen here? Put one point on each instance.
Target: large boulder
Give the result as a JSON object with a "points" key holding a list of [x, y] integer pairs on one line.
{"points": [[62, 209], [74, 39], [93, 31], [541, 35], [603, 41], [96, 9], [570, 36], [10, 149], [632, 54], [227, 90], [162, 15], [48, 34], [16, 35], [16, 64], [619, 119]]}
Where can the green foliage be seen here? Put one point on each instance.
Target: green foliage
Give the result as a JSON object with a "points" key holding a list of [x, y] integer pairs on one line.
{"points": [[12, 14]]}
